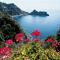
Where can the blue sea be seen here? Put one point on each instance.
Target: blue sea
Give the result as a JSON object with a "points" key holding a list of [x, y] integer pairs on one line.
{"points": [[46, 25]]}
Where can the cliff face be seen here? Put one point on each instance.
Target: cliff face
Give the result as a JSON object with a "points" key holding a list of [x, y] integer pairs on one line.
{"points": [[11, 9], [40, 13]]}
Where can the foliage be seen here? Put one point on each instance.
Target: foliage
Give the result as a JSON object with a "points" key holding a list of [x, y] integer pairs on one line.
{"points": [[33, 51], [8, 28]]}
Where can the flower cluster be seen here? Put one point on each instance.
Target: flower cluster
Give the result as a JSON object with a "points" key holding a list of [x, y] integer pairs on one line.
{"points": [[36, 33], [49, 40], [9, 42], [26, 40], [19, 37], [54, 43], [35, 40], [5, 52]]}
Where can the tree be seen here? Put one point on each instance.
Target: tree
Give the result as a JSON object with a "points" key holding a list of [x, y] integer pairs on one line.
{"points": [[8, 27]]}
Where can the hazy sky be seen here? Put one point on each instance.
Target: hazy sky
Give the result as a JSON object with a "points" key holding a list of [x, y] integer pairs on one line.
{"points": [[29, 5]]}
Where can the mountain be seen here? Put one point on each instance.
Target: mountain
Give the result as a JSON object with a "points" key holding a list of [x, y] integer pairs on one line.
{"points": [[11, 9], [40, 13]]}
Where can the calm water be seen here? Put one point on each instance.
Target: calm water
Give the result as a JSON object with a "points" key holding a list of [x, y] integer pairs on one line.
{"points": [[46, 25]]}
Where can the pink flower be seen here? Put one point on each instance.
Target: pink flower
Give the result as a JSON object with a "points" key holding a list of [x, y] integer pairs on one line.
{"points": [[5, 52], [5, 49], [18, 37], [7, 55], [35, 40], [1, 52], [26, 40], [9, 42], [49, 40], [36, 33], [54, 44]]}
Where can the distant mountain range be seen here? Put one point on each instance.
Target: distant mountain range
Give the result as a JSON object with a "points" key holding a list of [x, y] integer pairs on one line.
{"points": [[12, 9]]}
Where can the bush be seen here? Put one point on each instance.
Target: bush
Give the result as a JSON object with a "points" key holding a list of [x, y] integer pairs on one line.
{"points": [[8, 28], [33, 51]]}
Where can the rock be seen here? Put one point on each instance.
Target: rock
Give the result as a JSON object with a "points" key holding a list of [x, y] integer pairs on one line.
{"points": [[40, 13]]}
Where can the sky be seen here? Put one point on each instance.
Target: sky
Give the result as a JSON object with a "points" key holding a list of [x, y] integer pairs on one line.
{"points": [[40, 5]]}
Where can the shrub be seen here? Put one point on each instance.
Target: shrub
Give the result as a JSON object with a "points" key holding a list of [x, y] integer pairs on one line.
{"points": [[8, 28], [33, 51]]}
